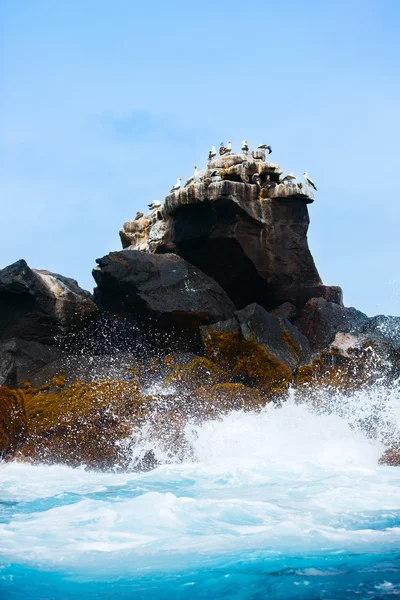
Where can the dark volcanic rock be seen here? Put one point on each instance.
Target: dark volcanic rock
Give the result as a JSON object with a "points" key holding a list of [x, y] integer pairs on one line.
{"points": [[287, 310], [277, 335], [21, 360], [243, 227], [39, 305], [166, 288], [385, 327], [320, 321], [256, 346], [264, 260]]}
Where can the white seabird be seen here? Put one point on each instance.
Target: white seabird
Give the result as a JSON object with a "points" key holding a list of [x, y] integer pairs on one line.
{"points": [[289, 178], [222, 149], [309, 181], [212, 153], [155, 204], [195, 178], [228, 148], [245, 146], [264, 147], [177, 186], [196, 175]]}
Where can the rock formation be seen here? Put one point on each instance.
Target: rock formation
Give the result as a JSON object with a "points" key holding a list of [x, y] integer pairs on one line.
{"points": [[39, 305], [242, 227], [165, 287], [215, 297], [257, 347]]}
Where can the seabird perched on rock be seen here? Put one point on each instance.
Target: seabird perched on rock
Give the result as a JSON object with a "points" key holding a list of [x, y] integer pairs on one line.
{"points": [[139, 215], [225, 149], [288, 178], [264, 147], [177, 186], [155, 204], [212, 153], [309, 181], [195, 178], [245, 146]]}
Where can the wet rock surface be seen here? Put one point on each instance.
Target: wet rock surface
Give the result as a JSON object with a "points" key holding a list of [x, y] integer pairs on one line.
{"points": [[166, 288], [320, 321], [257, 347], [22, 360], [13, 420]]}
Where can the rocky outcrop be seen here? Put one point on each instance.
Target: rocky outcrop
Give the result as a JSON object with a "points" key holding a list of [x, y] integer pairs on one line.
{"points": [[13, 420], [82, 423], [330, 327], [256, 347], [21, 360], [39, 305], [215, 298], [320, 321], [242, 227], [165, 288]]}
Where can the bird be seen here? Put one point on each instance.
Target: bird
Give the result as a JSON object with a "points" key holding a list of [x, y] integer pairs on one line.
{"points": [[245, 146], [195, 178], [213, 173], [256, 179], [264, 147], [225, 149], [154, 204], [212, 153], [139, 215], [309, 181], [177, 186], [288, 178]]}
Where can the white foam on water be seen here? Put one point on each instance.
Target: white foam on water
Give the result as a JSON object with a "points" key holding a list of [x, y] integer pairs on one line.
{"points": [[303, 477]]}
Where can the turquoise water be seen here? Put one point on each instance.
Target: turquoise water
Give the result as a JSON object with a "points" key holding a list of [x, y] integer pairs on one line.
{"points": [[289, 503]]}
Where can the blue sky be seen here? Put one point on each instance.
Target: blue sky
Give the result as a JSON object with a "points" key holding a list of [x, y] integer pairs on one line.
{"points": [[104, 104]]}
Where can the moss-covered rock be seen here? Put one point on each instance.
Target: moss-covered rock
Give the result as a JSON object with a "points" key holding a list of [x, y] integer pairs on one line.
{"points": [[199, 372], [358, 368], [246, 360], [258, 349], [13, 420], [222, 397], [81, 423]]}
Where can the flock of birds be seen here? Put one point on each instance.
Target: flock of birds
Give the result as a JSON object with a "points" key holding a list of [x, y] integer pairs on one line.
{"points": [[225, 150]]}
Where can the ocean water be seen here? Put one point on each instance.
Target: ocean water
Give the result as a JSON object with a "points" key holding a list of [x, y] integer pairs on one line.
{"points": [[287, 503]]}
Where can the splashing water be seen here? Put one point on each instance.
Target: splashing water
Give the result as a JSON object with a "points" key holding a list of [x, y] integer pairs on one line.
{"points": [[286, 503]]}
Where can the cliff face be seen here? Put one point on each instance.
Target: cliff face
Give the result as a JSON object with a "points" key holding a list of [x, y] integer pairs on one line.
{"points": [[241, 227]]}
